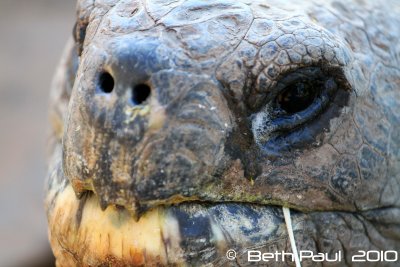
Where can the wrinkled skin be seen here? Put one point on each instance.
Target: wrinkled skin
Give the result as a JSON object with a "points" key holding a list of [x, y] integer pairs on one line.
{"points": [[213, 153]]}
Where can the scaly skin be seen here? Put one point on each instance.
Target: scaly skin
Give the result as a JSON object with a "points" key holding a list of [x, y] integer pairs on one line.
{"points": [[206, 162]]}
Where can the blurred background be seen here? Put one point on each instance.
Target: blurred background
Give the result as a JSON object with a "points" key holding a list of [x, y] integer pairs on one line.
{"points": [[32, 37]]}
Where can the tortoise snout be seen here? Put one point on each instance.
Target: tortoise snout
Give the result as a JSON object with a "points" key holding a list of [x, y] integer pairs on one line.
{"points": [[141, 131], [114, 109]]}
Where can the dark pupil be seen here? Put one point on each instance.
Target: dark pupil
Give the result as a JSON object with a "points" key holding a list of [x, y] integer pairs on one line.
{"points": [[297, 97]]}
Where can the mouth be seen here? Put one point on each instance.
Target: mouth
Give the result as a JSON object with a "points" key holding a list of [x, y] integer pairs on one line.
{"points": [[176, 233], [179, 231]]}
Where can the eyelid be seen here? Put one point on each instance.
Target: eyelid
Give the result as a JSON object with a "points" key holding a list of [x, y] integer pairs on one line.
{"points": [[292, 121], [289, 122]]}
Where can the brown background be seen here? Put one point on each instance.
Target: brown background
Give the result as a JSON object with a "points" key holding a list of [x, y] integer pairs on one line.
{"points": [[32, 36]]}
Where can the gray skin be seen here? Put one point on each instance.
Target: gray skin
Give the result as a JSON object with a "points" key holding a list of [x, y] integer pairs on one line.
{"points": [[220, 138]]}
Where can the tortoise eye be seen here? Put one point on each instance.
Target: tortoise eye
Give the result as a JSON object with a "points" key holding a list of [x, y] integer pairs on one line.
{"points": [[79, 34], [297, 96], [302, 104]]}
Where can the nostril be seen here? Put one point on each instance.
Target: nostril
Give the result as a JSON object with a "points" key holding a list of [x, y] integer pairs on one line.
{"points": [[140, 93], [106, 82]]}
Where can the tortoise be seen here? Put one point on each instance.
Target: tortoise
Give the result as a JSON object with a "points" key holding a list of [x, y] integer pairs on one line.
{"points": [[193, 133]]}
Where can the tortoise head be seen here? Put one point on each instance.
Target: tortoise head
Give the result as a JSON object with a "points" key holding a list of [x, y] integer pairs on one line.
{"points": [[206, 102], [222, 101]]}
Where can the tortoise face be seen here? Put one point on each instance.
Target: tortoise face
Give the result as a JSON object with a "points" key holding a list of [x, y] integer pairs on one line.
{"points": [[292, 104]]}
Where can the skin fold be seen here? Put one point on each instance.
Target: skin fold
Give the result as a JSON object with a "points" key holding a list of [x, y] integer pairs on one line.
{"points": [[179, 130]]}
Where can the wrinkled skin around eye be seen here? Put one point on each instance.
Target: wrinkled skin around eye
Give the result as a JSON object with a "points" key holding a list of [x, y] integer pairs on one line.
{"points": [[209, 154]]}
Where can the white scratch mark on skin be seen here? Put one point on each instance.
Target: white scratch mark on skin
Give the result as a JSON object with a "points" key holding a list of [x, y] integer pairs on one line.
{"points": [[288, 221]]}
